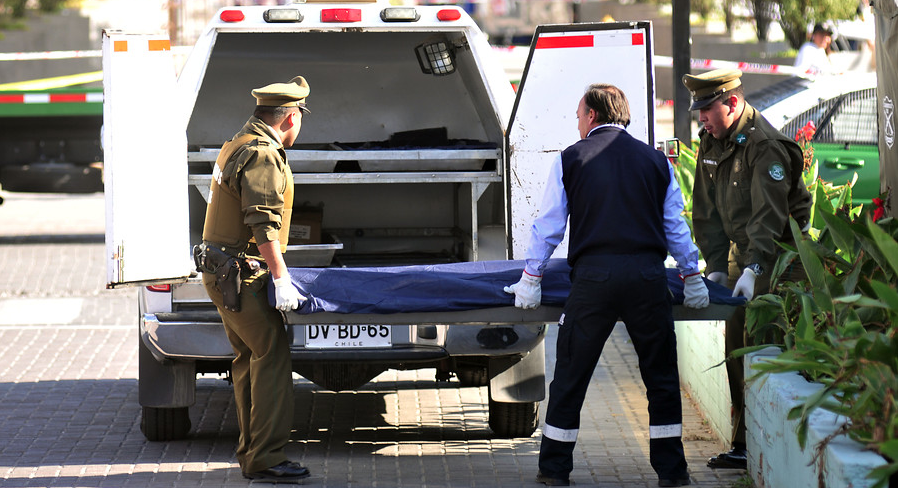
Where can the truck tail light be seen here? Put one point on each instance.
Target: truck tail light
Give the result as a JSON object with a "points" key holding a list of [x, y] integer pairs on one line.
{"points": [[341, 15], [232, 16], [448, 14], [159, 288], [399, 14], [282, 15]]}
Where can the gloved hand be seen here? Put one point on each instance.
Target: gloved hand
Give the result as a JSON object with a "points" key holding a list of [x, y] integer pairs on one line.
{"points": [[718, 277], [286, 296], [695, 291], [746, 284], [527, 292]]}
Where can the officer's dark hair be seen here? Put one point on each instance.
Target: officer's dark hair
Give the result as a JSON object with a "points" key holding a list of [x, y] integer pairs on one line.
{"points": [[609, 103], [738, 92], [272, 115]]}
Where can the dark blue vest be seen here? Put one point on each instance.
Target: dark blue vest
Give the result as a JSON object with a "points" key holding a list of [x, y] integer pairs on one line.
{"points": [[615, 186]]}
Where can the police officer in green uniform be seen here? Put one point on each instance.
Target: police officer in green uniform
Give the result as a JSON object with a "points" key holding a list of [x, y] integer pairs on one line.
{"points": [[247, 225], [747, 184]]}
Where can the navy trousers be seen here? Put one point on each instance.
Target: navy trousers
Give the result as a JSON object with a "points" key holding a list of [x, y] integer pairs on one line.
{"points": [[605, 289]]}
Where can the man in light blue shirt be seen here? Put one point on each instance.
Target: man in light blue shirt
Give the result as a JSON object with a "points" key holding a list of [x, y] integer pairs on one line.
{"points": [[624, 206]]}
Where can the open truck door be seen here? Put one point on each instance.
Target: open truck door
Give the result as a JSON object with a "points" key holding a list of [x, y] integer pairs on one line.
{"points": [[563, 61], [145, 162]]}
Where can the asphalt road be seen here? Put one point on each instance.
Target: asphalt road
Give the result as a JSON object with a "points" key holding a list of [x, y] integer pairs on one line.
{"points": [[69, 415]]}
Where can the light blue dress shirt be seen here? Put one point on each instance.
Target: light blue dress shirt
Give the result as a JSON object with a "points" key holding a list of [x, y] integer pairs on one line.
{"points": [[550, 224]]}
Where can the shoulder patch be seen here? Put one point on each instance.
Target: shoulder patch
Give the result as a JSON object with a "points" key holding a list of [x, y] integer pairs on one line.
{"points": [[776, 171]]}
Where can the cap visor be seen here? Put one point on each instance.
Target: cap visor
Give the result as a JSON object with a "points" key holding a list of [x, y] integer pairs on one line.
{"points": [[697, 104]]}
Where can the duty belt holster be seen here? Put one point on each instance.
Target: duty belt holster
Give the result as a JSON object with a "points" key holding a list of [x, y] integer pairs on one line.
{"points": [[225, 268]]}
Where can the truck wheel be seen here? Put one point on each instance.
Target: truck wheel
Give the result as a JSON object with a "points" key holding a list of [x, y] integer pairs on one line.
{"points": [[165, 424], [473, 376], [513, 419]]}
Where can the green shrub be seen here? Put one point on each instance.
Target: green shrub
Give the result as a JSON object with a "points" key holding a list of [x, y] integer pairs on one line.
{"points": [[840, 326]]}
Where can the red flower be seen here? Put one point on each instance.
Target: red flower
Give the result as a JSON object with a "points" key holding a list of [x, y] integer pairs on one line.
{"points": [[807, 132], [880, 210]]}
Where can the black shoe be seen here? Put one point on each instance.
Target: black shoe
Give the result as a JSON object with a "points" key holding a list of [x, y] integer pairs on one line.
{"points": [[675, 482], [735, 458], [541, 478], [286, 471]]}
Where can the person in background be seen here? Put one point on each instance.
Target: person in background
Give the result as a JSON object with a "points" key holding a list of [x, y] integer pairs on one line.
{"points": [[813, 55], [244, 238], [625, 207], [748, 183]]}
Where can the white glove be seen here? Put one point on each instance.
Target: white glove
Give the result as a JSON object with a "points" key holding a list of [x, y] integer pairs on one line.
{"points": [[746, 284], [718, 277], [695, 291], [527, 292], [286, 296]]}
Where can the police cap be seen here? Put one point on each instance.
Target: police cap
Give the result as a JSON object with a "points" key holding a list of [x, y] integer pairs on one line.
{"points": [[709, 86], [290, 94]]}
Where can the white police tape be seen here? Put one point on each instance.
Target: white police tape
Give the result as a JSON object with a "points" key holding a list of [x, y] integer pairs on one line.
{"points": [[30, 56], [91, 53], [709, 64]]}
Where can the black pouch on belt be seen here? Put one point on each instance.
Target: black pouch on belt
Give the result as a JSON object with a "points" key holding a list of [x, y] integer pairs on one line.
{"points": [[226, 269], [228, 278]]}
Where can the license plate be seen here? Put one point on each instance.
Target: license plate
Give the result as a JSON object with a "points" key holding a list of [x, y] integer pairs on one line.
{"points": [[348, 336]]}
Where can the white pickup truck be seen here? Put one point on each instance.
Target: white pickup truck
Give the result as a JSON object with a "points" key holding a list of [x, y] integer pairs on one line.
{"points": [[417, 151]]}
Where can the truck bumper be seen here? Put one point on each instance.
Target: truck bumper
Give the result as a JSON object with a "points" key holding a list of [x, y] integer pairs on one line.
{"points": [[197, 336]]}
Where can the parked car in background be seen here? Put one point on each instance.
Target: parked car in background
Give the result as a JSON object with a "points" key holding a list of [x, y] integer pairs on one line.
{"points": [[843, 109]]}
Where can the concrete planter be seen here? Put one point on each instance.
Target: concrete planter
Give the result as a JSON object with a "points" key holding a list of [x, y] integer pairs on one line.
{"points": [[774, 457]]}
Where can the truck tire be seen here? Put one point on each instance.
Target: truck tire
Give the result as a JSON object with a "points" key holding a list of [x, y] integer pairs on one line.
{"points": [[165, 424], [473, 377], [514, 419]]}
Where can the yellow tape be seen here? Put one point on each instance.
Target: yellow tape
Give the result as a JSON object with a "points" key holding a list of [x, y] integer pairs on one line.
{"points": [[56, 82]]}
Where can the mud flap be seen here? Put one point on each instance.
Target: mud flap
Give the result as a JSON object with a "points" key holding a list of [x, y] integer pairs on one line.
{"points": [[514, 380], [164, 385]]}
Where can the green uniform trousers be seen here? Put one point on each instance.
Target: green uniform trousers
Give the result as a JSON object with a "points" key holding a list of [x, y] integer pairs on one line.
{"points": [[737, 337], [261, 372]]}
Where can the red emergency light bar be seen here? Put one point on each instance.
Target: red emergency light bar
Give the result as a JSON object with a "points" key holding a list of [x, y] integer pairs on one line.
{"points": [[448, 15], [232, 16], [341, 15]]}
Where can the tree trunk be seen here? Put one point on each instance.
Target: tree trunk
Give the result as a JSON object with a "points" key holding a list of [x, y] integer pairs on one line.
{"points": [[763, 12]]}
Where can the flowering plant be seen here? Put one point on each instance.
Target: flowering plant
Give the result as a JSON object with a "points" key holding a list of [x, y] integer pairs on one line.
{"points": [[803, 137], [880, 211]]}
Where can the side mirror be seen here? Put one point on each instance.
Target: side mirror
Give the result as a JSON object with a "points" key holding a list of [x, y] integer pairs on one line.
{"points": [[670, 148]]}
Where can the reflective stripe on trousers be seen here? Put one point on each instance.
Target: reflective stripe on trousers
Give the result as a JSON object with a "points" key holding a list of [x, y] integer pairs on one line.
{"points": [[560, 435], [665, 431]]}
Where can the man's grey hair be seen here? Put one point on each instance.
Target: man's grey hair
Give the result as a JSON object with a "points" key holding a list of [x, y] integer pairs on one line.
{"points": [[609, 102]]}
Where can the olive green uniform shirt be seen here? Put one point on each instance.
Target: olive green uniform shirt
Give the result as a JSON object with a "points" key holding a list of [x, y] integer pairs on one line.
{"points": [[746, 187], [252, 191]]}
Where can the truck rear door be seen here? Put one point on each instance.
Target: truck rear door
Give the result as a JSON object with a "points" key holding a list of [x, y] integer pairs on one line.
{"points": [[563, 61], [145, 163]]}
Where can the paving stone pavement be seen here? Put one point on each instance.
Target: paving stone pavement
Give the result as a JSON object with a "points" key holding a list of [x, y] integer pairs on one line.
{"points": [[68, 395]]}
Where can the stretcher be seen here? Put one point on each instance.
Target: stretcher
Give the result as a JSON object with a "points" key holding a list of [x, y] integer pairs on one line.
{"points": [[457, 293]]}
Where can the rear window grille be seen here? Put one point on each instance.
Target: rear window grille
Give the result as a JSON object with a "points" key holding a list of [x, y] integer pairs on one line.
{"points": [[850, 118]]}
